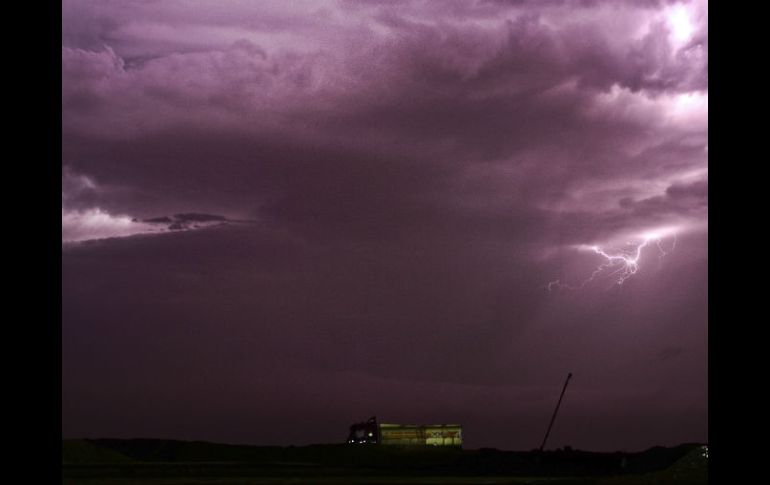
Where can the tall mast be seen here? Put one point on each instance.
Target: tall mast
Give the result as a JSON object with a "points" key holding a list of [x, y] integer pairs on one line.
{"points": [[553, 418]]}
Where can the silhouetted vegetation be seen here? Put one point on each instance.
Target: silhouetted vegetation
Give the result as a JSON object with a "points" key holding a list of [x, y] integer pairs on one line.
{"points": [[148, 459]]}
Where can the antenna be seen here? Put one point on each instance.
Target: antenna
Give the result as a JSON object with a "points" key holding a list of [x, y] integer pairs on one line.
{"points": [[553, 418]]}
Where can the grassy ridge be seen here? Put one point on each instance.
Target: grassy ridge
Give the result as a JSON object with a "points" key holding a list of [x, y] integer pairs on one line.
{"points": [[87, 452], [166, 459]]}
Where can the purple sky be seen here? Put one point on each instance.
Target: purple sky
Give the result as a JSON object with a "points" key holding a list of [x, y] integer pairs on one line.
{"points": [[279, 218]]}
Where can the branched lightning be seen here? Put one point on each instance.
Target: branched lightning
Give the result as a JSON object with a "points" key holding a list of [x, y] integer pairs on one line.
{"points": [[621, 264]]}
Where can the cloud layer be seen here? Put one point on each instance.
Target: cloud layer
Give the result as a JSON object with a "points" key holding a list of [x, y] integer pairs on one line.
{"points": [[412, 171]]}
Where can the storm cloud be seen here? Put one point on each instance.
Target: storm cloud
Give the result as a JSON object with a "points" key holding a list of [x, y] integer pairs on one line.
{"points": [[413, 174]]}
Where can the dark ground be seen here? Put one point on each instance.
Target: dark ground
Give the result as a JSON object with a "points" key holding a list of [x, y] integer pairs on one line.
{"points": [[168, 462]]}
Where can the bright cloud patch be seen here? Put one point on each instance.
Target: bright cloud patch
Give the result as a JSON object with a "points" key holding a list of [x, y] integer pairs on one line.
{"points": [[680, 24], [97, 224]]}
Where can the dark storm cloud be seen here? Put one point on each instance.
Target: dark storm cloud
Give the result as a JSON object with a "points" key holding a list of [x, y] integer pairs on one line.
{"points": [[417, 121], [690, 199], [413, 174], [698, 190], [188, 221]]}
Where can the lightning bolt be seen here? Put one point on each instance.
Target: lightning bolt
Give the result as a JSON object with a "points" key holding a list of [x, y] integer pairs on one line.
{"points": [[619, 265]]}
